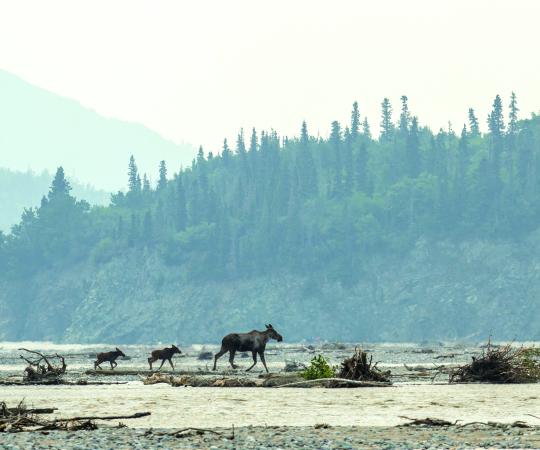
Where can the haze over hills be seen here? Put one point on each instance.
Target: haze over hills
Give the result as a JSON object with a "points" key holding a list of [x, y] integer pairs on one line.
{"points": [[413, 235], [40, 130], [19, 190]]}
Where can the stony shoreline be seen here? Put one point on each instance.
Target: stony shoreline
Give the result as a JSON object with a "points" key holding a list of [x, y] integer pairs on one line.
{"points": [[318, 437]]}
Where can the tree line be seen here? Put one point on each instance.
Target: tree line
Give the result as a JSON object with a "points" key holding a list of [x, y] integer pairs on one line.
{"points": [[303, 204]]}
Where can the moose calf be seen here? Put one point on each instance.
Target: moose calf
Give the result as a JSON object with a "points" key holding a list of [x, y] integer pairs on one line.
{"points": [[165, 355], [108, 356]]}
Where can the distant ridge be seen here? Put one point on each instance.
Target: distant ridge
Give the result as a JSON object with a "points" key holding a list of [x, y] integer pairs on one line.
{"points": [[40, 130]]}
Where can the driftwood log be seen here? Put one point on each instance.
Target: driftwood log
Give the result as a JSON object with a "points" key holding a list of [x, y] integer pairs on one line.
{"points": [[428, 421], [335, 383], [202, 381], [20, 419], [433, 422]]}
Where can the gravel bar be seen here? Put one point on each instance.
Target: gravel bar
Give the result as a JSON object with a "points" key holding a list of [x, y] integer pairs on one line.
{"points": [[318, 437]]}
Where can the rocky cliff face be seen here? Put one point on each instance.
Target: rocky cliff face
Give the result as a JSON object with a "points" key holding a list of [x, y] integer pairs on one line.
{"points": [[437, 291]]}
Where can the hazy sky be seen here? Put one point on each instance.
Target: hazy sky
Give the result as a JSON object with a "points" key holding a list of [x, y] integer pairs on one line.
{"points": [[199, 70]]}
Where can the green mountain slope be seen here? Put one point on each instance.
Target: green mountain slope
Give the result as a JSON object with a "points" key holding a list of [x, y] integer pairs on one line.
{"points": [[40, 130]]}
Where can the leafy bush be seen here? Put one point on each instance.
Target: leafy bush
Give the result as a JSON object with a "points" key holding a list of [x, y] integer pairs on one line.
{"points": [[530, 359], [319, 368]]}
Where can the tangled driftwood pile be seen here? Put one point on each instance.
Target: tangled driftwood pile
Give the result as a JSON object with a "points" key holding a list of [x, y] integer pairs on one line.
{"points": [[40, 368], [357, 367], [20, 419], [500, 364]]}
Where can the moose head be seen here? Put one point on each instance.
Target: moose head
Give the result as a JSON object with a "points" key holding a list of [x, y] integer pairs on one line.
{"points": [[273, 334]]}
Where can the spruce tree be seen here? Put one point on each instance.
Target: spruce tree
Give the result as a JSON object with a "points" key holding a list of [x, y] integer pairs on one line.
{"points": [[386, 119], [133, 174], [473, 124], [496, 129], [405, 116], [304, 136], [511, 137], [240, 144], [200, 156], [146, 185], [355, 122], [513, 115], [162, 181], [60, 186], [253, 142], [226, 153], [366, 129]]}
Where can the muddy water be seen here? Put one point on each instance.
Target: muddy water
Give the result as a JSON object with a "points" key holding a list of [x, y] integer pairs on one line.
{"points": [[212, 407]]}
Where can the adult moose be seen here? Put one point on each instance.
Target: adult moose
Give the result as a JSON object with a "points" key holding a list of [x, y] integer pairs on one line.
{"points": [[165, 355], [254, 342], [108, 356]]}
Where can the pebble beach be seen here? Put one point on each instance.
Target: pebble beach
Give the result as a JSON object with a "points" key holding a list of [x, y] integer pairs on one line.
{"points": [[473, 436]]}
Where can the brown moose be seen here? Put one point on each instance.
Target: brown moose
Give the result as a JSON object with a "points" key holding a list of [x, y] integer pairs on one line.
{"points": [[108, 357], [254, 342], [165, 355]]}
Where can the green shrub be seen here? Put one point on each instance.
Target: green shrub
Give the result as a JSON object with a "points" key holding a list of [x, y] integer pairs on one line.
{"points": [[319, 368], [530, 360]]}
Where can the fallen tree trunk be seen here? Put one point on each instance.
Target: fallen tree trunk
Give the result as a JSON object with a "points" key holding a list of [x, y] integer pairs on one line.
{"points": [[130, 416], [337, 382], [21, 419]]}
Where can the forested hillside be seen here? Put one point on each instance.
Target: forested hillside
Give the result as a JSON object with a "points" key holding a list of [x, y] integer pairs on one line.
{"points": [[19, 190], [413, 235]]}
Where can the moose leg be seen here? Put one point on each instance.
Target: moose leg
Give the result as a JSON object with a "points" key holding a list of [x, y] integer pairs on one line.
{"points": [[254, 353], [96, 365], [219, 355], [112, 367], [150, 361], [231, 359], [115, 363], [170, 362], [162, 362], [261, 354]]}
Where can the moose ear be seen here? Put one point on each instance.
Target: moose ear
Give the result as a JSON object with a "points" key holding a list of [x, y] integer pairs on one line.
{"points": [[117, 349], [270, 325], [266, 326]]}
